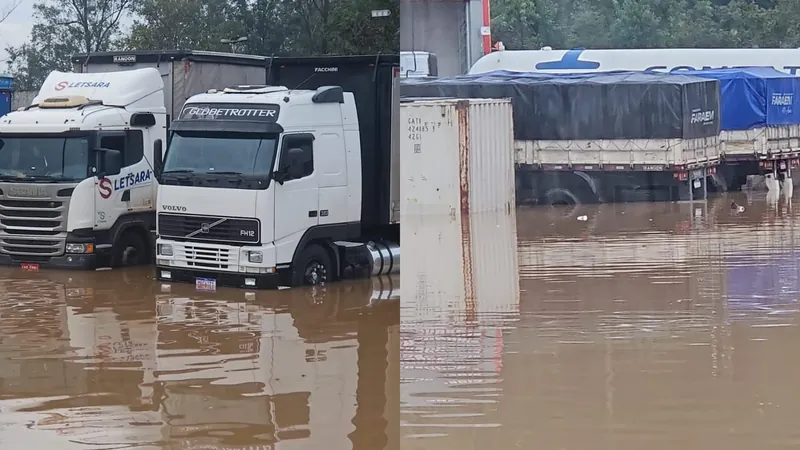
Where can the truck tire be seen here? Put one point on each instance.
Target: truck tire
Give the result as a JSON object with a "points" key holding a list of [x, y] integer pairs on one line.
{"points": [[129, 250], [561, 196], [313, 267]]}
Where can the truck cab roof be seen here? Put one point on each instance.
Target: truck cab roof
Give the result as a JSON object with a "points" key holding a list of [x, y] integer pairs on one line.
{"points": [[70, 101], [297, 108]]}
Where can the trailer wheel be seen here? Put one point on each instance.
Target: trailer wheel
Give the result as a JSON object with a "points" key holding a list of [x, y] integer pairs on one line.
{"points": [[130, 250], [313, 267], [561, 196]]}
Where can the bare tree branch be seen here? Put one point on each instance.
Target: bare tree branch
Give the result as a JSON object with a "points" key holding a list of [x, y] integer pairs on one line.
{"points": [[9, 10]]}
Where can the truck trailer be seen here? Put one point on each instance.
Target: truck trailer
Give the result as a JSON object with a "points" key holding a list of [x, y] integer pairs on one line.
{"points": [[291, 182], [76, 181], [605, 137]]}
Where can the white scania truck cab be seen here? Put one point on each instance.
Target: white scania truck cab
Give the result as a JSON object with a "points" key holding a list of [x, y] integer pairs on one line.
{"points": [[266, 186], [76, 183]]}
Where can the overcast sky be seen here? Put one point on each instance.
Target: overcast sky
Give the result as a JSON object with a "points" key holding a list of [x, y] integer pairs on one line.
{"points": [[16, 28]]}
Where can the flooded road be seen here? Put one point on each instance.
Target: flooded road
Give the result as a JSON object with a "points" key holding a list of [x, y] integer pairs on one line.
{"points": [[113, 360], [639, 326]]}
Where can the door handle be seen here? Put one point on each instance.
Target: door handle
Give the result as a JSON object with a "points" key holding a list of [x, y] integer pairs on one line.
{"points": [[312, 214], [126, 196]]}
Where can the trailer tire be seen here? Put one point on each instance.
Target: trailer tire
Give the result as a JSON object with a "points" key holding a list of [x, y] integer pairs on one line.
{"points": [[313, 267], [129, 250], [561, 196]]}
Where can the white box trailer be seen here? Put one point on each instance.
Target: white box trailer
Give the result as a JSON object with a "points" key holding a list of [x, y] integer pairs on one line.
{"points": [[456, 156], [184, 72]]}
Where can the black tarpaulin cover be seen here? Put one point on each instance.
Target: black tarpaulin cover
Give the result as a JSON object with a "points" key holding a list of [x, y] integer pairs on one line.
{"points": [[608, 105]]}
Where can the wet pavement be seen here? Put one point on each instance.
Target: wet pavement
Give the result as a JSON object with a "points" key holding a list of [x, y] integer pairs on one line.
{"points": [[639, 326], [113, 360]]}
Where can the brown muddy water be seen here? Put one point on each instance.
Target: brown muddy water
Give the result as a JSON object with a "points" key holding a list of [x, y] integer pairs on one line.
{"points": [[639, 326], [114, 360]]}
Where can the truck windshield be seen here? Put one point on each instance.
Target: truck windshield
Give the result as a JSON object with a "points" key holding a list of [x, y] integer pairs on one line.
{"points": [[46, 158], [218, 153]]}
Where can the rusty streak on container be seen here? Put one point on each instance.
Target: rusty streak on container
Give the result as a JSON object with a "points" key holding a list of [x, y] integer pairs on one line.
{"points": [[462, 109]]}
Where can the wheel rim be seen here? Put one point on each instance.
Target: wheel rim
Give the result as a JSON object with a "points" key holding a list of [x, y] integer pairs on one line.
{"points": [[316, 273]]}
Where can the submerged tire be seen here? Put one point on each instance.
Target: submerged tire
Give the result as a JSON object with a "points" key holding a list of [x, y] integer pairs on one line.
{"points": [[561, 197], [130, 250], [313, 267]]}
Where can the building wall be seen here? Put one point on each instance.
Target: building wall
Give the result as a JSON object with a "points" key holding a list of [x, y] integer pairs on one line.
{"points": [[444, 27], [22, 98]]}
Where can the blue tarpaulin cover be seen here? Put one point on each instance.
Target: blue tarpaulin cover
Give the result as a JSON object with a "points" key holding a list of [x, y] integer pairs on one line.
{"points": [[753, 97]]}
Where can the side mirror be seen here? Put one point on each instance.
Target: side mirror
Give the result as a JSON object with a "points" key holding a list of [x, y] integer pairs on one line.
{"points": [[294, 159], [110, 162], [291, 166], [158, 158]]}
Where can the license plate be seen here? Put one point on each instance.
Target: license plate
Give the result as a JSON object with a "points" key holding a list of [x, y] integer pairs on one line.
{"points": [[205, 284], [29, 267]]}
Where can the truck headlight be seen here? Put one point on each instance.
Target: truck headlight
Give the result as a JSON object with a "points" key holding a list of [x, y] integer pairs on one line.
{"points": [[80, 248], [255, 257], [165, 249]]}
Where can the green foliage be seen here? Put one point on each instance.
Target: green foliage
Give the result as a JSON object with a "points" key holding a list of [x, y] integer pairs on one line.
{"points": [[62, 28], [281, 27], [530, 24]]}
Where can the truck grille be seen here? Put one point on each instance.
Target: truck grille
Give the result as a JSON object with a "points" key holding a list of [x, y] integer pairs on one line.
{"points": [[32, 227], [206, 257], [209, 228]]}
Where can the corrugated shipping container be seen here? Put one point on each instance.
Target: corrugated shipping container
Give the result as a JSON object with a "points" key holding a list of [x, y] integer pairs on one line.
{"points": [[462, 267], [456, 156]]}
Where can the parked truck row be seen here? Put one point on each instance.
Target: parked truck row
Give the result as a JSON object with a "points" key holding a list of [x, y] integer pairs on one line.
{"points": [[233, 169]]}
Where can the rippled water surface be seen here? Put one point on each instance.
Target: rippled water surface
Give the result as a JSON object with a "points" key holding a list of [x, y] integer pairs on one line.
{"points": [[113, 360], [641, 326]]}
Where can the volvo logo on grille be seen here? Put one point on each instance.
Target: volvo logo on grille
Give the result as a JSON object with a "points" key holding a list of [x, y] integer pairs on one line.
{"points": [[205, 228], [27, 191]]}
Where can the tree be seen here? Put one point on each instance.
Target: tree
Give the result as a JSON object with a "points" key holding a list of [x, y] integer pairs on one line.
{"points": [[646, 23], [179, 24], [62, 28], [357, 32]]}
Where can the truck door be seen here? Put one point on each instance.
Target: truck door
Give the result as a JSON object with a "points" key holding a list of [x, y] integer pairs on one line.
{"points": [[132, 190], [297, 199]]}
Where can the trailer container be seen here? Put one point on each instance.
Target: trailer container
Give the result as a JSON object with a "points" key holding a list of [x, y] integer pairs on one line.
{"points": [[184, 72], [601, 137], [458, 156]]}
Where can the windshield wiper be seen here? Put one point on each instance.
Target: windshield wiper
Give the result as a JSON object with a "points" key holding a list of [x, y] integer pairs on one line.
{"points": [[224, 173], [167, 172]]}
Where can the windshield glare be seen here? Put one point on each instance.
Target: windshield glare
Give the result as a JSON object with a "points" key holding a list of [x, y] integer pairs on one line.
{"points": [[241, 154], [45, 157]]}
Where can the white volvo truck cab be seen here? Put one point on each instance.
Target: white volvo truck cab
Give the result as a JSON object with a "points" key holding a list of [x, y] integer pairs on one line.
{"points": [[76, 183], [261, 186]]}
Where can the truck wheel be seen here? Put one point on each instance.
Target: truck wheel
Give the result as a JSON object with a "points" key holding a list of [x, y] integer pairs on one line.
{"points": [[313, 267], [560, 196], [130, 250]]}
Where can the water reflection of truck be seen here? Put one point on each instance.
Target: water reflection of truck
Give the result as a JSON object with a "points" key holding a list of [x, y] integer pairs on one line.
{"points": [[278, 368], [76, 184], [301, 367]]}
